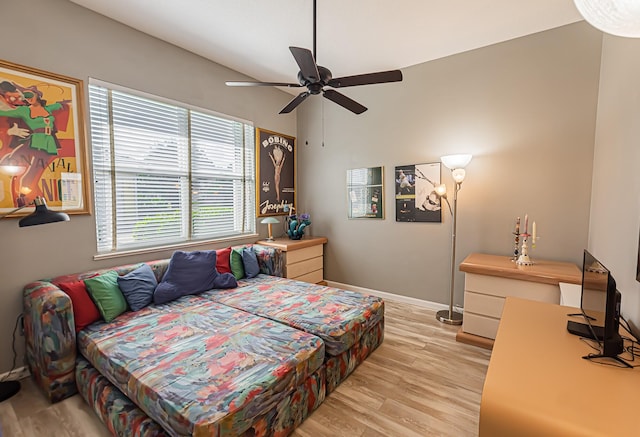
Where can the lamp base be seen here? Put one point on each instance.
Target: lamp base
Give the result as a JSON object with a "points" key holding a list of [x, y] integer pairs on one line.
{"points": [[452, 318], [8, 389]]}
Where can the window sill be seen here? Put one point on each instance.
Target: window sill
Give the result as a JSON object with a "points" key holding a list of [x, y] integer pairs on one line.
{"points": [[177, 246]]}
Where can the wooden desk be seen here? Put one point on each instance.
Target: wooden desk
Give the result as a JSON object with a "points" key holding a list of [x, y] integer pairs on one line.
{"points": [[489, 279], [537, 384], [303, 259]]}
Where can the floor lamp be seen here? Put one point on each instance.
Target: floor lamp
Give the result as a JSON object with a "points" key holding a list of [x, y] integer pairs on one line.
{"points": [[456, 163], [40, 216]]}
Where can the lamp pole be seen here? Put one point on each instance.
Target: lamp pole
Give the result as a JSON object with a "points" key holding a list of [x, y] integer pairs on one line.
{"points": [[449, 316], [456, 163]]}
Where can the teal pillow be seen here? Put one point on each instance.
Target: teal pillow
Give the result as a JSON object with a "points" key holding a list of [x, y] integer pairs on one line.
{"points": [[106, 294], [237, 267]]}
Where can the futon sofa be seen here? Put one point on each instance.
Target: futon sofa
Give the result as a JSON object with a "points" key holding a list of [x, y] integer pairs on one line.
{"points": [[254, 359]]}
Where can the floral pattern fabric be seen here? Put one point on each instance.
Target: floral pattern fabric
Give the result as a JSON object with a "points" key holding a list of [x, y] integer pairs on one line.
{"points": [[196, 366], [339, 317]]}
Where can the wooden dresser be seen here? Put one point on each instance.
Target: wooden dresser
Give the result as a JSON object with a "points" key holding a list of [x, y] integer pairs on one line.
{"points": [[303, 259], [489, 279]]}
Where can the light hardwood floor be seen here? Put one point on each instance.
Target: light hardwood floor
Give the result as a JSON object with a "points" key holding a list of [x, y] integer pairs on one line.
{"points": [[419, 382]]}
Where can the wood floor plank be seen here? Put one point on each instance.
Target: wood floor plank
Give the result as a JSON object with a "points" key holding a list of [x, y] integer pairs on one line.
{"points": [[419, 382]]}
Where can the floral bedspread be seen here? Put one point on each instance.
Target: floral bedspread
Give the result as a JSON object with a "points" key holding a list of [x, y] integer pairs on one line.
{"points": [[339, 317], [196, 366]]}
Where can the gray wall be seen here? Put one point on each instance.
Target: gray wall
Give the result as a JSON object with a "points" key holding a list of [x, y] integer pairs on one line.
{"points": [[61, 37], [526, 110], [615, 201]]}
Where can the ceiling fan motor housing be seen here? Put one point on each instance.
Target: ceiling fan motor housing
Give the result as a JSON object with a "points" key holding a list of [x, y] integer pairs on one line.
{"points": [[315, 86]]}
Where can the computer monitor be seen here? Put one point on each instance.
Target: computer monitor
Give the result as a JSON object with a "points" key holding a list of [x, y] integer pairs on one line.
{"points": [[600, 307]]}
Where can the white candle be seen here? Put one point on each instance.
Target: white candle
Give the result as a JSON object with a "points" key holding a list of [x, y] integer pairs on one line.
{"points": [[526, 223], [533, 237]]}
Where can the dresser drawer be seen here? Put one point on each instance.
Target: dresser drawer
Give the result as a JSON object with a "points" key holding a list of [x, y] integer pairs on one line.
{"points": [[503, 287], [304, 267], [483, 304], [295, 256], [313, 277], [480, 325]]}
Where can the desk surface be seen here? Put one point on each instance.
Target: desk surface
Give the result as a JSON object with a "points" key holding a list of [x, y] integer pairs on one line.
{"points": [[537, 383], [546, 272]]}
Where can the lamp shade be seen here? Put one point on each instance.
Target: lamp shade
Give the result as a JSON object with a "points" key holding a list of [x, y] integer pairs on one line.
{"points": [[616, 17], [456, 161], [268, 220], [42, 215]]}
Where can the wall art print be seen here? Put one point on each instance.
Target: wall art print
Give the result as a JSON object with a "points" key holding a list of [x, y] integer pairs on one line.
{"points": [[276, 168], [365, 191], [416, 200], [42, 142]]}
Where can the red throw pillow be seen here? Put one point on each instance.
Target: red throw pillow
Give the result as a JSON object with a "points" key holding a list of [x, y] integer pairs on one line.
{"points": [[85, 311], [223, 260]]}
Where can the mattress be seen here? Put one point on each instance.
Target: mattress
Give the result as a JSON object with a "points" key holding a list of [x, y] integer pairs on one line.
{"points": [[196, 366], [339, 317]]}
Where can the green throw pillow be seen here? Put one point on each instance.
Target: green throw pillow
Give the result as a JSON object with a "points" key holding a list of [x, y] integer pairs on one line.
{"points": [[106, 294], [237, 267]]}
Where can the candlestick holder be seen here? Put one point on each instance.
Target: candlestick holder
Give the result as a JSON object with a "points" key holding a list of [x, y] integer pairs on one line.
{"points": [[523, 259], [516, 249]]}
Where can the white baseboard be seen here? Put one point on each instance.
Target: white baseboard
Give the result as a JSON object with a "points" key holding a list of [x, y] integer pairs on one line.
{"points": [[391, 296], [16, 375]]}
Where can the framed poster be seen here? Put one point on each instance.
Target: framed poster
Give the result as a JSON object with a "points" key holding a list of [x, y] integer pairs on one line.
{"points": [[365, 192], [416, 199], [276, 168], [42, 143]]}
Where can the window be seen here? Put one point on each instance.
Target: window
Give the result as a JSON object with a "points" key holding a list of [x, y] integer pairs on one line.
{"points": [[167, 174]]}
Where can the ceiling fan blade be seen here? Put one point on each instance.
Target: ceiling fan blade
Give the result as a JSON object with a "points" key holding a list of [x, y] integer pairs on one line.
{"points": [[344, 101], [288, 85], [308, 67], [295, 102], [366, 79]]}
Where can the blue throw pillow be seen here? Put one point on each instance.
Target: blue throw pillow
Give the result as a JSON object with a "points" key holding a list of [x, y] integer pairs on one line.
{"points": [[188, 273], [166, 292], [250, 261], [225, 280], [138, 286]]}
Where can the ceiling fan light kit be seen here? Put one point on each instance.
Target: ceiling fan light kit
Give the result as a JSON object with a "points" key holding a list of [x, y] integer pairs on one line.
{"points": [[316, 77]]}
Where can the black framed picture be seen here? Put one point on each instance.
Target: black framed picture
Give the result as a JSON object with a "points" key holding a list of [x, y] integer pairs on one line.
{"points": [[276, 172], [638, 268], [416, 199]]}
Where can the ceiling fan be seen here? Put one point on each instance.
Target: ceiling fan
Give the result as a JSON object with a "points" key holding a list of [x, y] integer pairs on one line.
{"points": [[315, 78]]}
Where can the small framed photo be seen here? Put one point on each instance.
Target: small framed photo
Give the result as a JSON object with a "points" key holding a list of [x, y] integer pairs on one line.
{"points": [[365, 193]]}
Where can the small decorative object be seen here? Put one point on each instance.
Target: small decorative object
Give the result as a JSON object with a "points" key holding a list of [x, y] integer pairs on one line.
{"points": [[524, 259], [296, 224], [516, 250]]}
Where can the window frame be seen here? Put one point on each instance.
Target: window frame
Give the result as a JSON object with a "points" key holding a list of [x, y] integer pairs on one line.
{"points": [[248, 177]]}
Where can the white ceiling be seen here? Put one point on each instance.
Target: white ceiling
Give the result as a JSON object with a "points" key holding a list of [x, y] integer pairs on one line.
{"points": [[354, 36]]}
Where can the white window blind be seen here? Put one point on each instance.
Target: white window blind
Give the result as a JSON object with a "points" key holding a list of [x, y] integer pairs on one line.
{"points": [[165, 174]]}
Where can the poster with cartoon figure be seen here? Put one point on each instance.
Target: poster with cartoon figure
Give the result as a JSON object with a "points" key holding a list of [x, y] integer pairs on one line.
{"points": [[416, 199], [42, 147], [276, 164]]}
